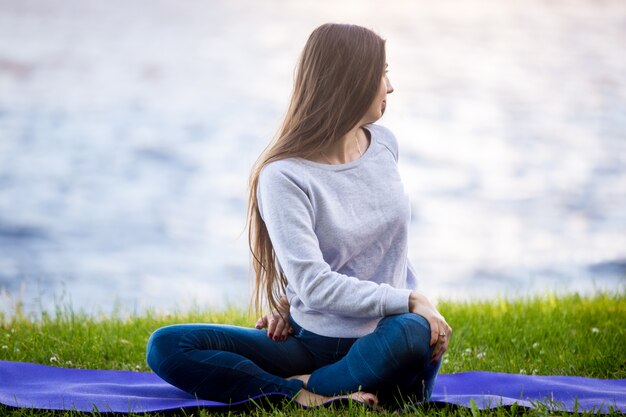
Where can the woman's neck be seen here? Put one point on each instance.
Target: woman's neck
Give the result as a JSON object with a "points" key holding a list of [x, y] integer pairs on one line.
{"points": [[349, 148]]}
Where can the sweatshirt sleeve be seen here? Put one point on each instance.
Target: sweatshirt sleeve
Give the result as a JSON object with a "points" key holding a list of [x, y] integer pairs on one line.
{"points": [[288, 214]]}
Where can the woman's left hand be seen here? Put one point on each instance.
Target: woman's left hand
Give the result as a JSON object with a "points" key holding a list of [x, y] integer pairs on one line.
{"points": [[439, 328], [441, 347], [277, 322]]}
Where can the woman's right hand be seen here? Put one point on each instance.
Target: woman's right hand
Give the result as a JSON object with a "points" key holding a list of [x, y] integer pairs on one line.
{"points": [[277, 322], [440, 331]]}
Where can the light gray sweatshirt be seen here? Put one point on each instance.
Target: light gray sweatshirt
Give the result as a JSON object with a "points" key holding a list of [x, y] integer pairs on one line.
{"points": [[340, 237]]}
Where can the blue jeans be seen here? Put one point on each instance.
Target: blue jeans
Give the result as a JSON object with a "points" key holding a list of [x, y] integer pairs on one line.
{"points": [[229, 364]]}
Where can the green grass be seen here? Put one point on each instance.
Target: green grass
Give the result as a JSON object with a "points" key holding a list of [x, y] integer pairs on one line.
{"points": [[567, 335]]}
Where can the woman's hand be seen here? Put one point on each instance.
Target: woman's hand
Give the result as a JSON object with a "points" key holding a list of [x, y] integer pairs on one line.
{"points": [[277, 322], [440, 331]]}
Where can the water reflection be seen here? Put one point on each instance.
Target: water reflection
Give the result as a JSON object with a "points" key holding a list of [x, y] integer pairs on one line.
{"points": [[127, 131]]}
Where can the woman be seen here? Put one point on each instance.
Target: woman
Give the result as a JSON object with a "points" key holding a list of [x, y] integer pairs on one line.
{"points": [[328, 221]]}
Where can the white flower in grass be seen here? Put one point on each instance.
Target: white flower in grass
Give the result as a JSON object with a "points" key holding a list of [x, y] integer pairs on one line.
{"points": [[535, 371], [445, 361], [481, 355], [69, 363], [54, 358], [595, 330], [468, 351], [522, 371], [535, 345], [5, 347]]}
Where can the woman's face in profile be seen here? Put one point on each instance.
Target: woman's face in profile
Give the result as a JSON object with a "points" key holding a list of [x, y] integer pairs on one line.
{"points": [[377, 108]]}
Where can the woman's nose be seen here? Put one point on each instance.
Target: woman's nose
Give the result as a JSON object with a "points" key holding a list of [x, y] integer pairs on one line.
{"points": [[389, 87]]}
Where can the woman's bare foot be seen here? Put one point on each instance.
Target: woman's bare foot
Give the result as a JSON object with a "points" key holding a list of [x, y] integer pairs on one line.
{"points": [[309, 399], [303, 378]]}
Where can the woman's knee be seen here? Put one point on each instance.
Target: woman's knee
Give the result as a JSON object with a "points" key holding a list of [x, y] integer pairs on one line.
{"points": [[161, 344], [410, 334]]}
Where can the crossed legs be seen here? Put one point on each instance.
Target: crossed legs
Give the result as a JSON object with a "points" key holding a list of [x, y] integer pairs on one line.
{"points": [[229, 364]]}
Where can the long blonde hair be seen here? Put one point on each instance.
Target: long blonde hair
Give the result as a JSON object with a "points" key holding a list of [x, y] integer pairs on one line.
{"points": [[336, 80]]}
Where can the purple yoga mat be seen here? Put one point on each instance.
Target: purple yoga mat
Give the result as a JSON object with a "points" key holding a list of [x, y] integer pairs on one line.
{"points": [[46, 387]]}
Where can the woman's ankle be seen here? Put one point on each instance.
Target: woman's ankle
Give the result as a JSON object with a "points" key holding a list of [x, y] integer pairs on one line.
{"points": [[303, 378]]}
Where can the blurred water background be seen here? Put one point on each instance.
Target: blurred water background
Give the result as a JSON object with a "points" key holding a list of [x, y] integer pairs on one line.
{"points": [[128, 128]]}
